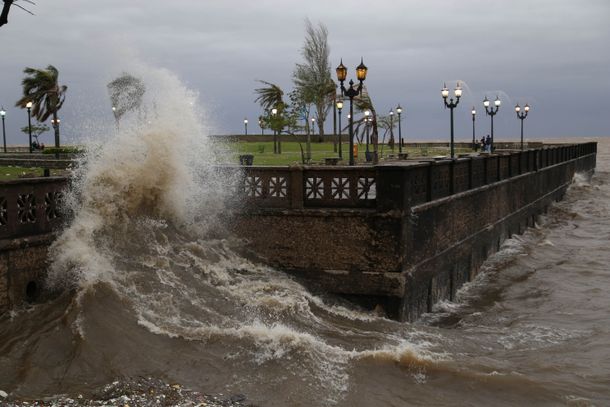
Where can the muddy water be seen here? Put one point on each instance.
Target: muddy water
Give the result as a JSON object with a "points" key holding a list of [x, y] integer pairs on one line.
{"points": [[153, 297]]}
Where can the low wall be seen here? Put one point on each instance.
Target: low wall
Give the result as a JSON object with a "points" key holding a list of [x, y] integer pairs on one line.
{"points": [[29, 213]]}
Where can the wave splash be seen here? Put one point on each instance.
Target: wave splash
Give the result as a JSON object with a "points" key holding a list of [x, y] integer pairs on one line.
{"points": [[146, 255]]}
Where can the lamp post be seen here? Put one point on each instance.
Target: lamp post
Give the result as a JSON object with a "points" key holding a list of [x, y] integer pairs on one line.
{"points": [[452, 105], [29, 107], [311, 130], [392, 128], [277, 149], [351, 92], [116, 117], [2, 114], [55, 124], [491, 112], [367, 113], [245, 126], [339, 104], [522, 115], [399, 111], [474, 113]]}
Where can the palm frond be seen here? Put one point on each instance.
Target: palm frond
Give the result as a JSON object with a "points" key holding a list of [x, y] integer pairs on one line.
{"points": [[269, 96]]}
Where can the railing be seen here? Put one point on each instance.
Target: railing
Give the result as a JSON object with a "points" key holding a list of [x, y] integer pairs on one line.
{"points": [[30, 206], [358, 186], [308, 187]]}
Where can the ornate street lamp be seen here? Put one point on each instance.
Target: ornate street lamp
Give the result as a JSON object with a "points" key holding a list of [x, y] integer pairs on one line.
{"points": [[351, 92], [339, 104], [399, 111], [2, 114], [474, 113], [522, 115], [452, 105], [245, 126], [491, 112], [29, 107]]}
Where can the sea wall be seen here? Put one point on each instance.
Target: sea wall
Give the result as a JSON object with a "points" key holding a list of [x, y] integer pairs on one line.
{"points": [[403, 234]]}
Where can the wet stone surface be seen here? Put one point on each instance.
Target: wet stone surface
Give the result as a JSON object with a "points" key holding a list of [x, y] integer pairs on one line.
{"points": [[137, 393]]}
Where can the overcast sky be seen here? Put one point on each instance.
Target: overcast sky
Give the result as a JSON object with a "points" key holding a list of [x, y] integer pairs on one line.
{"points": [[552, 54]]}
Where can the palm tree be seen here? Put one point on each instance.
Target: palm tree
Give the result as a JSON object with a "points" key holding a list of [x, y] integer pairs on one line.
{"points": [[269, 97], [40, 87], [272, 97]]}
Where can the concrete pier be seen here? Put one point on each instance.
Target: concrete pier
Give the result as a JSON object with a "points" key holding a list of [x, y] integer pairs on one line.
{"points": [[403, 234]]}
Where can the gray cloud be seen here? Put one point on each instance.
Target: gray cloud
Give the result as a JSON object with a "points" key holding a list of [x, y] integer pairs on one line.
{"points": [[549, 53]]}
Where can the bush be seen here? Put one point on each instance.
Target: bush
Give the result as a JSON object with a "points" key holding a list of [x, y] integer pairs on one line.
{"points": [[260, 148]]}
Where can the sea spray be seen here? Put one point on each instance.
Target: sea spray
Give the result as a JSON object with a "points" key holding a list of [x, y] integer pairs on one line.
{"points": [[159, 163], [144, 205]]}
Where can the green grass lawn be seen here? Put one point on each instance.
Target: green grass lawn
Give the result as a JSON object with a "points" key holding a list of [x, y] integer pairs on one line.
{"points": [[10, 172], [291, 152]]}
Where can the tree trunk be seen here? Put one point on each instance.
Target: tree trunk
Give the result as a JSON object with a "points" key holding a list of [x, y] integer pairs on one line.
{"points": [[321, 118]]}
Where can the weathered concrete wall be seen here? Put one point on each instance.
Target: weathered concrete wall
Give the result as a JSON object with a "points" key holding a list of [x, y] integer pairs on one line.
{"points": [[354, 251], [432, 226], [23, 265], [29, 213], [448, 239]]}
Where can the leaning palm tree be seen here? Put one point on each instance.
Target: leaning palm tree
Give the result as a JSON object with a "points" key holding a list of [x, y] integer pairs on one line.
{"points": [[40, 87], [269, 97]]}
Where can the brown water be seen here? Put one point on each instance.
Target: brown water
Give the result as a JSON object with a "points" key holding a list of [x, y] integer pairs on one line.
{"points": [[153, 299]]}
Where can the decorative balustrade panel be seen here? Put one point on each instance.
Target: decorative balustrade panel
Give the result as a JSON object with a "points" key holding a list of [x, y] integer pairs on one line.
{"points": [[268, 187], [30, 207], [527, 160], [348, 188], [492, 169], [441, 180], [544, 158], [504, 168], [461, 176], [418, 184], [478, 172], [515, 164]]}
